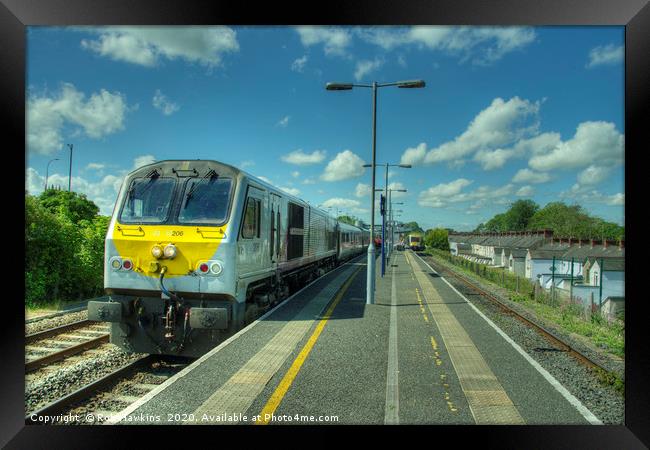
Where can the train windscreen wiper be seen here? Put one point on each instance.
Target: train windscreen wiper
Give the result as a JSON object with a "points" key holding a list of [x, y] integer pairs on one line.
{"points": [[210, 175]]}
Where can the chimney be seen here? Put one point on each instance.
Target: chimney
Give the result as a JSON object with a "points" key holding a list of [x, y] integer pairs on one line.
{"points": [[621, 244]]}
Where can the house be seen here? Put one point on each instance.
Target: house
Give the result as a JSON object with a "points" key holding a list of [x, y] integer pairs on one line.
{"points": [[609, 275], [517, 261], [542, 260]]}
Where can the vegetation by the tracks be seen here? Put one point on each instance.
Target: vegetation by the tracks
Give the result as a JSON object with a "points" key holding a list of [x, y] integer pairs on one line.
{"points": [[64, 248], [569, 316], [437, 238], [564, 220]]}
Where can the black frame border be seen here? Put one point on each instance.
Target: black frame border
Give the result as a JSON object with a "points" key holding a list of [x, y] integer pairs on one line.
{"points": [[16, 15]]}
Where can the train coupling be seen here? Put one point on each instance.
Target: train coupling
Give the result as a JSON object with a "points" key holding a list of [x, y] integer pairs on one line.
{"points": [[105, 311]]}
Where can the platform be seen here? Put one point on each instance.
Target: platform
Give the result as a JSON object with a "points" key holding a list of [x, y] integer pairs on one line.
{"points": [[422, 354]]}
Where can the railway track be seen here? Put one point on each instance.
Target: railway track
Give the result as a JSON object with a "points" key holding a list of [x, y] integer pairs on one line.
{"points": [[555, 340], [56, 344], [112, 393]]}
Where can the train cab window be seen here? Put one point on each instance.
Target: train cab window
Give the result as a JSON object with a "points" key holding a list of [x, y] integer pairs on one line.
{"points": [[147, 200], [205, 201], [251, 226]]}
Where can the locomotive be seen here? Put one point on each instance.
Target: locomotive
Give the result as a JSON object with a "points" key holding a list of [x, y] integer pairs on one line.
{"points": [[197, 249]]}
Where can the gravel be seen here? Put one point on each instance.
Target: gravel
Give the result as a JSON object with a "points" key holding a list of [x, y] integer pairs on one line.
{"points": [[600, 398], [46, 324], [43, 387]]}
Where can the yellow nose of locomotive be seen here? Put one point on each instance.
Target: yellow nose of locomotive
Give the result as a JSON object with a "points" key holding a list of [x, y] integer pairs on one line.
{"points": [[149, 251]]}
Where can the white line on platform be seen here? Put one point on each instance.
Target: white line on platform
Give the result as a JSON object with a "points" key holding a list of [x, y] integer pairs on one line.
{"points": [[115, 419], [391, 414], [582, 409]]}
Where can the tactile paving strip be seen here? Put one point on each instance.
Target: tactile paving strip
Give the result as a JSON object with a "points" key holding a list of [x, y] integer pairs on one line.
{"points": [[239, 392], [488, 401]]}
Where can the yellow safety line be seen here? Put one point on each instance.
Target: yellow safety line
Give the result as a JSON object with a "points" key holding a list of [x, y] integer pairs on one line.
{"points": [[279, 393]]}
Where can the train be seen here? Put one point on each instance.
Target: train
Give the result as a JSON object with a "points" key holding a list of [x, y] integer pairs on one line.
{"points": [[415, 242], [197, 249]]}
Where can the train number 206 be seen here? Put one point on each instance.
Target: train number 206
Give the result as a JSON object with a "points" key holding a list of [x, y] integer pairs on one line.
{"points": [[175, 233]]}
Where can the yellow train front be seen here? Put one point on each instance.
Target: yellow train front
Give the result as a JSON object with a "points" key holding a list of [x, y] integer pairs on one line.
{"points": [[197, 249]]}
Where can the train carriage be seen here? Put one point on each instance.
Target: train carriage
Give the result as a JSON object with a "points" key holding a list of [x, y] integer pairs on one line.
{"points": [[197, 249]]}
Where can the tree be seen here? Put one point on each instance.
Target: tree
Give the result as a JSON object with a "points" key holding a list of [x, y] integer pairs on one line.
{"points": [[412, 226], [74, 206], [346, 219], [437, 238], [574, 221], [519, 214]]}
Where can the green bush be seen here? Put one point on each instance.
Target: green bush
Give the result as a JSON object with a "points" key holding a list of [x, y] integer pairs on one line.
{"points": [[64, 248]]}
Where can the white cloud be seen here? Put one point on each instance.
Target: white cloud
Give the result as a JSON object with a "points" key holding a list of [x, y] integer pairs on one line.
{"points": [[606, 55], [143, 161], [247, 163], [100, 115], [147, 45], [335, 40], [502, 123], [283, 122], [414, 155], [309, 181], [295, 174], [493, 159], [616, 199], [593, 143], [298, 65], [593, 175], [301, 158], [362, 190], [441, 195], [291, 191], [528, 176], [344, 205], [365, 67], [483, 45], [525, 191], [344, 166], [95, 166], [161, 102], [438, 196]]}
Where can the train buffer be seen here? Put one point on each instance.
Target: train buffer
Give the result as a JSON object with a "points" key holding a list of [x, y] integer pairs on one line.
{"points": [[420, 355]]}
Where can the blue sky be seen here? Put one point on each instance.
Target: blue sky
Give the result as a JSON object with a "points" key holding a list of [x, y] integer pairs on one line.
{"points": [[507, 113]]}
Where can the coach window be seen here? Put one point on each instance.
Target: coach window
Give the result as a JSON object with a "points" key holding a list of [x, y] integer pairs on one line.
{"points": [[251, 227]]}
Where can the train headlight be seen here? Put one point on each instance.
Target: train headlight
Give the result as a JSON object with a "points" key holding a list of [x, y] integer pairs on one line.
{"points": [[156, 251], [116, 264], [170, 251], [216, 268]]}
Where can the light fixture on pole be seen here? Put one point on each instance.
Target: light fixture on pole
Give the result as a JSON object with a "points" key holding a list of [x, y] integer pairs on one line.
{"points": [[370, 293], [47, 171], [383, 214]]}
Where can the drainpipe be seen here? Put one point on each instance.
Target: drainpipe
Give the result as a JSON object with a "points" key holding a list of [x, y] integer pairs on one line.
{"points": [[600, 301]]}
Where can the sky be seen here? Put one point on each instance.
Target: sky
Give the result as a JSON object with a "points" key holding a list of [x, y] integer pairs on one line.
{"points": [[507, 113]]}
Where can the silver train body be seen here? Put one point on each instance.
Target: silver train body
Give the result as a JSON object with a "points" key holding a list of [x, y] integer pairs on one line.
{"points": [[195, 250]]}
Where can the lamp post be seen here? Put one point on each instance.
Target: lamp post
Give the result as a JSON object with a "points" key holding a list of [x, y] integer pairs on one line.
{"points": [[391, 223], [70, 173], [411, 84], [383, 215], [47, 171]]}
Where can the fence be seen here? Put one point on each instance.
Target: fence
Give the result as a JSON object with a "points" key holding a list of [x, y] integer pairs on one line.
{"points": [[555, 297]]}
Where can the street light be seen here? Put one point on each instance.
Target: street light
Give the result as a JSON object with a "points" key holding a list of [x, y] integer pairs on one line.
{"points": [[383, 215], [47, 171], [370, 293], [70, 173]]}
